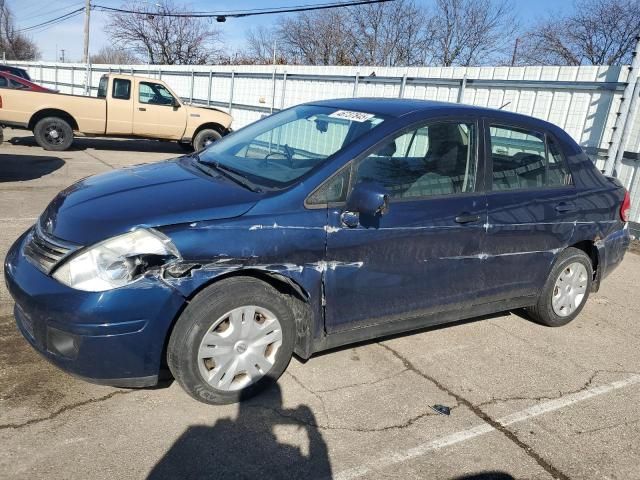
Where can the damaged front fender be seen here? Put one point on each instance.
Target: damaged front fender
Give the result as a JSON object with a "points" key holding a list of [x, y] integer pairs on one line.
{"points": [[301, 284]]}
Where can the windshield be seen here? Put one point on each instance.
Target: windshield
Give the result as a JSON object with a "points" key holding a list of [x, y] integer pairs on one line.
{"points": [[281, 148]]}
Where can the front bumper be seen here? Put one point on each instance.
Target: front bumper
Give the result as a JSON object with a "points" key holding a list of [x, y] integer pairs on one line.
{"points": [[115, 337]]}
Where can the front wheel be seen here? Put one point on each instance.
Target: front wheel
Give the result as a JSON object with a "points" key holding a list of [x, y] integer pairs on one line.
{"points": [[233, 339], [53, 133], [566, 290], [204, 138]]}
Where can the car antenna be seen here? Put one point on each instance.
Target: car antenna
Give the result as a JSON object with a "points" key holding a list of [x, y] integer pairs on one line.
{"points": [[504, 105]]}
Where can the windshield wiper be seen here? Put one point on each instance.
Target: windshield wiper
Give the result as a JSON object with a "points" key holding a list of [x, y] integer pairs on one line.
{"points": [[228, 172], [204, 168]]}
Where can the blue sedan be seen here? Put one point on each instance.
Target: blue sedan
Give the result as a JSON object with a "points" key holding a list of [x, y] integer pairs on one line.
{"points": [[325, 224]]}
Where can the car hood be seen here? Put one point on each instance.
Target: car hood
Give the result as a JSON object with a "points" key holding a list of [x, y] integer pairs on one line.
{"points": [[153, 195]]}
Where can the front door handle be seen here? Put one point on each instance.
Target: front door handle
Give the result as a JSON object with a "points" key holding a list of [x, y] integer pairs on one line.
{"points": [[565, 207], [467, 218], [142, 109]]}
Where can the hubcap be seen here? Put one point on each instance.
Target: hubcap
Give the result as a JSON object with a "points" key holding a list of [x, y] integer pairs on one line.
{"points": [[570, 289], [53, 135], [239, 348]]}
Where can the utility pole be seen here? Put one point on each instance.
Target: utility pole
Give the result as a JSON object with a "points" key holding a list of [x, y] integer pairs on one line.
{"points": [[87, 13], [515, 52], [87, 75]]}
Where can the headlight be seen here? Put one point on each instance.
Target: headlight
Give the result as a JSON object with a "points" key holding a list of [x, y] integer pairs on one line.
{"points": [[117, 261]]}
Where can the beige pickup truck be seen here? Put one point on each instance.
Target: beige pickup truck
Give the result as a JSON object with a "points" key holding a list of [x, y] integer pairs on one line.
{"points": [[126, 106]]}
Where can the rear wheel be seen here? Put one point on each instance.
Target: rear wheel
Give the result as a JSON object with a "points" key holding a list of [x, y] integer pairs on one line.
{"points": [[233, 339], [204, 138], [53, 133], [566, 290]]}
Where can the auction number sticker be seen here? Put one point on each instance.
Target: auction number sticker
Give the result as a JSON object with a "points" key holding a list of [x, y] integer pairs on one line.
{"points": [[351, 115]]}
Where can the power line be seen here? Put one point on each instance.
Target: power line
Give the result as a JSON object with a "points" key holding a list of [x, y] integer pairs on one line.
{"points": [[52, 21], [21, 16], [221, 16]]}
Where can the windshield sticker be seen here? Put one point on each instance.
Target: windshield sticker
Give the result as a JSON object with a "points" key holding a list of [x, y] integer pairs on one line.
{"points": [[351, 115]]}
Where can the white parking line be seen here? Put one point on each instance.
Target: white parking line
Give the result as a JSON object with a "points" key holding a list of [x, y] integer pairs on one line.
{"points": [[387, 460], [17, 219]]}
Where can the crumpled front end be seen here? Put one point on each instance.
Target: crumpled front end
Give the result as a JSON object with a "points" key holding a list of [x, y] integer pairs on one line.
{"points": [[114, 337]]}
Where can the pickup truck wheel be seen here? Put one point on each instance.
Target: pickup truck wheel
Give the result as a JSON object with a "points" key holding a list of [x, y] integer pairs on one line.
{"points": [[204, 138], [566, 290], [234, 339], [53, 133]]}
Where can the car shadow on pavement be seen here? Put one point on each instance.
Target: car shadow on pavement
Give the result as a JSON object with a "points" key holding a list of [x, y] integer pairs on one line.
{"points": [[130, 144], [493, 475], [248, 446], [18, 168]]}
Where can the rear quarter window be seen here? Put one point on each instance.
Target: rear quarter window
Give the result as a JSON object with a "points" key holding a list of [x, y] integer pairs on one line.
{"points": [[102, 87]]}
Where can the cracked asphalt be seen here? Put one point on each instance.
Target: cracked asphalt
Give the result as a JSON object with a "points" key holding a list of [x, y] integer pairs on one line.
{"points": [[526, 401]]}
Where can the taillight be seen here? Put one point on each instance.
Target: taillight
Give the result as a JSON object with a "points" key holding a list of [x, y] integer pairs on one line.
{"points": [[625, 208], [0, 101]]}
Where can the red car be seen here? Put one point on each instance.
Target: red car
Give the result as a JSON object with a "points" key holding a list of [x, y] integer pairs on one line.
{"points": [[7, 80]]}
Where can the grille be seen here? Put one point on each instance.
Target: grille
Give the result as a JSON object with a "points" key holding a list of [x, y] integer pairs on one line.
{"points": [[45, 252]]}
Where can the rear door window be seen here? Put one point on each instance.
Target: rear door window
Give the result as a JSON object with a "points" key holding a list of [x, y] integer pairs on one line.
{"points": [[525, 159], [121, 89]]}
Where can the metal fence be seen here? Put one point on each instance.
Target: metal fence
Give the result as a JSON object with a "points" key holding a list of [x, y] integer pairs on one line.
{"points": [[585, 101]]}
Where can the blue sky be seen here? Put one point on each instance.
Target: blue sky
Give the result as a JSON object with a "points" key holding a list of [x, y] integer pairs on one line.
{"points": [[68, 35]]}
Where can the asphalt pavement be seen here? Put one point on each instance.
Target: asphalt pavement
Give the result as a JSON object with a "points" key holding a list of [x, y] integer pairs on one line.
{"points": [[526, 401]]}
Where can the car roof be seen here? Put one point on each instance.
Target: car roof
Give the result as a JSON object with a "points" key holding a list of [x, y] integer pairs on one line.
{"points": [[397, 107], [10, 75]]}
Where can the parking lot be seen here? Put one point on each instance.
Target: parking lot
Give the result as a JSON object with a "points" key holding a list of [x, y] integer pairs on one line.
{"points": [[526, 401]]}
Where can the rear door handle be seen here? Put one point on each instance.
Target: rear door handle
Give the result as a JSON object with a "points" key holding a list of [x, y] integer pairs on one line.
{"points": [[565, 207], [142, 109], [467, 218]]}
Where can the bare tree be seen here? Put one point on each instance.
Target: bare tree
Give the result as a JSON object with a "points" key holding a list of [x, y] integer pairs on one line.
{"points": [[455, 32], [260, 44], [14, 43], [317, 38], [394, 33], [599, 32], [162, 39], [117, 56], [471, 32]]}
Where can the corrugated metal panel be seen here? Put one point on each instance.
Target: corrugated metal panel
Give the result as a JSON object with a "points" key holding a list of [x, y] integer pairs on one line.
{"points": [[582, 100]]}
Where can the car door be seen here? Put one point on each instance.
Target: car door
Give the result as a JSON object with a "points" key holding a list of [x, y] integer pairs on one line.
{"points": [[157, 113], [531, 207], [422, 256], [120, 108]]}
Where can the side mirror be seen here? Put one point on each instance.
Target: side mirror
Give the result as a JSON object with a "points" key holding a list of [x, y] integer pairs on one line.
{"points": [[368, 198], [176, 103]]}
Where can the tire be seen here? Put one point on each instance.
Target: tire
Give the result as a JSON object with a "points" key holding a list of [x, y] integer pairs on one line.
{"points": [[562, 300], [211, 314], [205, 137], [53, 133]]}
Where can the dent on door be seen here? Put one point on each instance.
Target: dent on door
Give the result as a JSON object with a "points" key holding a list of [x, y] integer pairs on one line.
{"points": [[416, 258]]}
